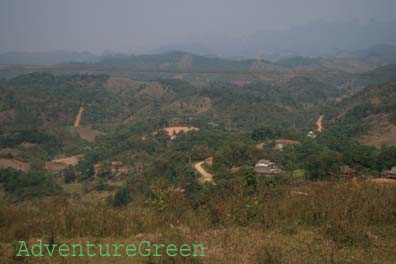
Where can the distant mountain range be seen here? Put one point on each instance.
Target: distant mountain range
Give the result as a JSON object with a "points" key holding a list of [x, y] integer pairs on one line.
{"points": [[318, 38], [361, 60], [51, 57], [356, 61], [180, 61]]}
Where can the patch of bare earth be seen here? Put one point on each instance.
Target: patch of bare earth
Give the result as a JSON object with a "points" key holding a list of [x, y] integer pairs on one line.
{"points": [[72, 160], [62, 163], [287, 142], [14, 164], [380, 132], [174, 130], [260, 146], [87, 133], [9, 151]]}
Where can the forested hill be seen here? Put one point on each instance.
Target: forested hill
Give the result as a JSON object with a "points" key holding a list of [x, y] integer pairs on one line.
{"points": [[369, 115], [181, 61], [41, 99]]}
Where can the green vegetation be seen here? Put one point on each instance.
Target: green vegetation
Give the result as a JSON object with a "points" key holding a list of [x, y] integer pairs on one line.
{"points": [[135, 180], [27, 185]]}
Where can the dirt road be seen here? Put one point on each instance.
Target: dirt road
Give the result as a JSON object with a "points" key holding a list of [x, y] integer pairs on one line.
{"points": [[205, 176], [319, 123], [78, 117]]}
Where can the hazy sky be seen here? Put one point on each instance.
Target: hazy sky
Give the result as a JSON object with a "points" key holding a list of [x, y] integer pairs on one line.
{"points": [[132, 25]]}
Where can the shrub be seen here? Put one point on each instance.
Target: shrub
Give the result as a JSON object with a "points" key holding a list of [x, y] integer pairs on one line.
{"points": [[121, 197], [30, 184]]}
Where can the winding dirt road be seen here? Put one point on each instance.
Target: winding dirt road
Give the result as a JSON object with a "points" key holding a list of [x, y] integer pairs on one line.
{"points": [[205, 176]]}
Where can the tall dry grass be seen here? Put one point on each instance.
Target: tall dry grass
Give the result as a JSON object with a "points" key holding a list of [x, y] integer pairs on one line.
{"points": [[340, 217]]}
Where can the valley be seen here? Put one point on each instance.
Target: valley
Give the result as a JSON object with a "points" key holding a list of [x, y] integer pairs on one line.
{"points": [[198, 132], [295, 157]]}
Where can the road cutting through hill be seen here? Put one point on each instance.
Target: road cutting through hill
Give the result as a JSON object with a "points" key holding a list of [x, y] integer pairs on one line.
{"points": [[319, 123], [78, 117]]}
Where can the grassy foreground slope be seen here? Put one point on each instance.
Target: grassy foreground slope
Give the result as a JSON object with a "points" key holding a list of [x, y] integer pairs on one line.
{"points": [[344, 222]]}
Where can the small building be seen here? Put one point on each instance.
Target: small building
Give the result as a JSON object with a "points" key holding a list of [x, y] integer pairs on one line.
{"points": [[266, 167], [390, 173], [312, 134]]}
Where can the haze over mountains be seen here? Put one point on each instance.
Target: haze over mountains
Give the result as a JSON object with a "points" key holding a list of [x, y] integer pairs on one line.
{"points": [[314, 39], [50, 57], [318, 38]]}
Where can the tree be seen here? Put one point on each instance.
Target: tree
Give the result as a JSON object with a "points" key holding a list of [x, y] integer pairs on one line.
{"points": [[323, 165], [101, 185], [33, 183], [86, 168], [386, 158], [250, 179], [69, 175], [236, 154], [264, 133], [200, 152], [122, 197]]}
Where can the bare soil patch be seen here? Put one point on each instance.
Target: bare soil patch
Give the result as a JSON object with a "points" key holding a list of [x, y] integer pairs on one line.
{"points": [[87, 133], [260, 146], [174, 130], [9, 151], [15, 164], [72, 160], [62, 163], [381, 131], [79, 116], [286, 142]]}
